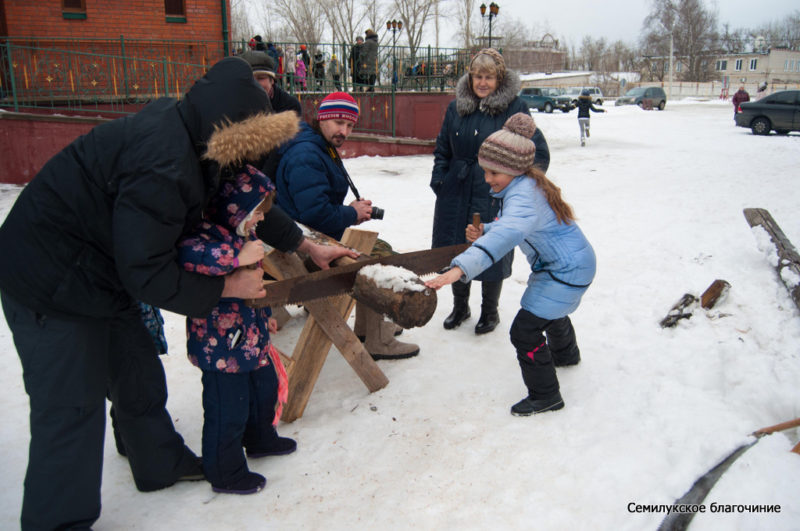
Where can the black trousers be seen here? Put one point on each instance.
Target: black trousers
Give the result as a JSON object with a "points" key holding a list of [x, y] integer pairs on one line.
{"points": [[238, 411], [67, 370], [137, 387], [535, 351]]}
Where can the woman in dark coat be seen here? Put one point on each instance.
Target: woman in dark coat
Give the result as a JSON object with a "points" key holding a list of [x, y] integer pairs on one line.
{"points": [[486, 96]]}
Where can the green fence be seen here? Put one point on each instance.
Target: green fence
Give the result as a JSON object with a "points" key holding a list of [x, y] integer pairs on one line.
{"points": [[119, 76]]}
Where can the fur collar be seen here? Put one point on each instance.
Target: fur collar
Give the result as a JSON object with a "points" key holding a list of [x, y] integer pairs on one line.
{"points": [[493, 104], [251, 139]]}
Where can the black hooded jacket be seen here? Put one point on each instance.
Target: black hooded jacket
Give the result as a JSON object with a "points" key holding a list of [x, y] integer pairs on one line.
{"points": [[97, 226]]}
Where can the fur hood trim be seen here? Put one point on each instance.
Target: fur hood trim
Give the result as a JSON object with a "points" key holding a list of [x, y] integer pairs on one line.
{"points": [[493, 104], [234, 143]]}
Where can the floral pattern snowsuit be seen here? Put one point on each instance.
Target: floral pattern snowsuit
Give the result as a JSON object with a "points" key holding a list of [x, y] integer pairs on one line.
{"points": [[234, 337]]}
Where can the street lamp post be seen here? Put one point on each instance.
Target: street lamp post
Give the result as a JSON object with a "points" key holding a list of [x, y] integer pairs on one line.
{"points": [[494, 10], [394, 26]]}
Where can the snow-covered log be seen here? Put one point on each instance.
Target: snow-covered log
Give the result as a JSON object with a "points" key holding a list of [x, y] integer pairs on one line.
{"points": [[397, 293], [788, 264]]}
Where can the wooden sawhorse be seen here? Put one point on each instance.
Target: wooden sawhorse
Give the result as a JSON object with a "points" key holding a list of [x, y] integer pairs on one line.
{"points": [[326, 325]]}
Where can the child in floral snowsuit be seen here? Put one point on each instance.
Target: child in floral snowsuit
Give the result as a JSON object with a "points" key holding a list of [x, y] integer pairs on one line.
{"points": [[244, 383]]}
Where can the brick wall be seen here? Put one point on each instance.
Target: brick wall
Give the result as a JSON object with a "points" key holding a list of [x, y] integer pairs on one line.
{"points": [[108, 19]]}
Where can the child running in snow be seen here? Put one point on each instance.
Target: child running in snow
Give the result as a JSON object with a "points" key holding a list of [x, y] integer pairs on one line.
{"points": [[244, 382], [584, 106], [534, 216]]}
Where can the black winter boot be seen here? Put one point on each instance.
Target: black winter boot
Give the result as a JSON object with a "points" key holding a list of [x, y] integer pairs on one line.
{"points": [[489, 316], [528, 406], [536, 364], [460, 311]]}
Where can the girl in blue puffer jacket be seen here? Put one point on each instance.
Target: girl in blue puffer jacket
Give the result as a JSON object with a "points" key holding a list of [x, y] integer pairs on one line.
{"points": [[534, 217]]}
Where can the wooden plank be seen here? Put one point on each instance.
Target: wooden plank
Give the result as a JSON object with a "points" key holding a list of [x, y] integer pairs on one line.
{"points": [[314, 342], [787, 254]]}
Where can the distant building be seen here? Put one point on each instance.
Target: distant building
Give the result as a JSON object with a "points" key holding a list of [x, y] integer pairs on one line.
{"points": [[775, 66]]}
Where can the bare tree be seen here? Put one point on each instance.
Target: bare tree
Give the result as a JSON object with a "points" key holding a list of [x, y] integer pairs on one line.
{"points": [[464, 12], [305, 18], [784, 33], [345, 18], [694, 31], [414, 14], [241, 28]]}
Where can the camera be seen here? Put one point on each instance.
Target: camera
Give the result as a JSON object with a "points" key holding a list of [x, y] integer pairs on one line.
{"points": [[377, 213]]}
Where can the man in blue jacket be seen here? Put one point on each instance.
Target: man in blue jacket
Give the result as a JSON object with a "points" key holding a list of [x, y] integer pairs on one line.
{"points": [[312, 184]]}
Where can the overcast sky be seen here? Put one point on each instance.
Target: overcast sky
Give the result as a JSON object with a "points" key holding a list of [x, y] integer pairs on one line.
{"points": [[622, 19], [612, 19]]}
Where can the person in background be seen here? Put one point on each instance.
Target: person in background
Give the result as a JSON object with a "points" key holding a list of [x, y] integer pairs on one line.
{"points": [[264, 72], [368, 61], [354, 60], [537, 219], [584, 106], [312, 185], [300, 71], [334, 72], [486, 96], [319, 70], [739, 97]]}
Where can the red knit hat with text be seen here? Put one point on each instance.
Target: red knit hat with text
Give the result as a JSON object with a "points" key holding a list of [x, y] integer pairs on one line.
{"points": [[338, 106]]}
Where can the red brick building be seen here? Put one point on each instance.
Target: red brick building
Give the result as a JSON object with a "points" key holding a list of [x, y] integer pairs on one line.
{"points": [[107, 52], [190, 20]]}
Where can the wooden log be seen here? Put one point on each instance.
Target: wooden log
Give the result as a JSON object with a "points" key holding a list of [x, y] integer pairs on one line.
{"points": [[676, 313], [715, 292], [788, 267], [397, 293]]}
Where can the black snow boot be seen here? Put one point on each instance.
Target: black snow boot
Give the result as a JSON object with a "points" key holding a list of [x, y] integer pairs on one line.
{"points": [[536, 364], [529, 406], [460, 311], [489, 317]]}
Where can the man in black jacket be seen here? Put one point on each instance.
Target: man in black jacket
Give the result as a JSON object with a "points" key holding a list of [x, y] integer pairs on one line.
{"points": [[264, 72], [94, 232]]}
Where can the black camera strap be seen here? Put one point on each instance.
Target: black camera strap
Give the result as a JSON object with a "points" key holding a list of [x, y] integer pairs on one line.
{"points": [[335, 156]]}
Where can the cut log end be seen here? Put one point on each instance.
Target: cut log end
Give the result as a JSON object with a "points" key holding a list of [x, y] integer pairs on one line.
{"points": [[716, 292], [404, 299]]}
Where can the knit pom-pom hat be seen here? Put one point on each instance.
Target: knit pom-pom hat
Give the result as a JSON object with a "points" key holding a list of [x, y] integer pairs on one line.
{"points": [[510, 150], [338, 106]]}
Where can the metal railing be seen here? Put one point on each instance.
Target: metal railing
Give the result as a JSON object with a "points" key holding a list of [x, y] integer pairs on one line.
{"points": [[115, 77]]}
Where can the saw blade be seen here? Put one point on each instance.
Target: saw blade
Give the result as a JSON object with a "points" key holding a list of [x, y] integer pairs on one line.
{"points": [[340, 280]]}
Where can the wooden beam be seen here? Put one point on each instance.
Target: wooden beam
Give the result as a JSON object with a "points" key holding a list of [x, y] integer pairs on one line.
{"points": [[326, 325], [788, 259]]}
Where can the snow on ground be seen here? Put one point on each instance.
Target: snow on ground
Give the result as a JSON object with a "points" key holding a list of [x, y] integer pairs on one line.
{"points": [[660, 196]]}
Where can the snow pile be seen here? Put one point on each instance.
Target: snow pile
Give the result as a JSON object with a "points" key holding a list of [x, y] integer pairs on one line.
{"points": [[648, 410], [397, 279]]}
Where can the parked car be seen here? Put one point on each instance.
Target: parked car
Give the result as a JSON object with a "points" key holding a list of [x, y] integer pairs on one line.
{"points": [[779, 111], [567, 101], [539, 98], [596, 94], [653, 97]]}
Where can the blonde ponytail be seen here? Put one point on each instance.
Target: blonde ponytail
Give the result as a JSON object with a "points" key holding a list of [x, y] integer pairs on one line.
{"points": [[552, 192]]}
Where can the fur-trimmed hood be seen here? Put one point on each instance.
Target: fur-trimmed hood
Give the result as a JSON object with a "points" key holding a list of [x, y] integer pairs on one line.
{"points": [[493, 104], [252, 138]]}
